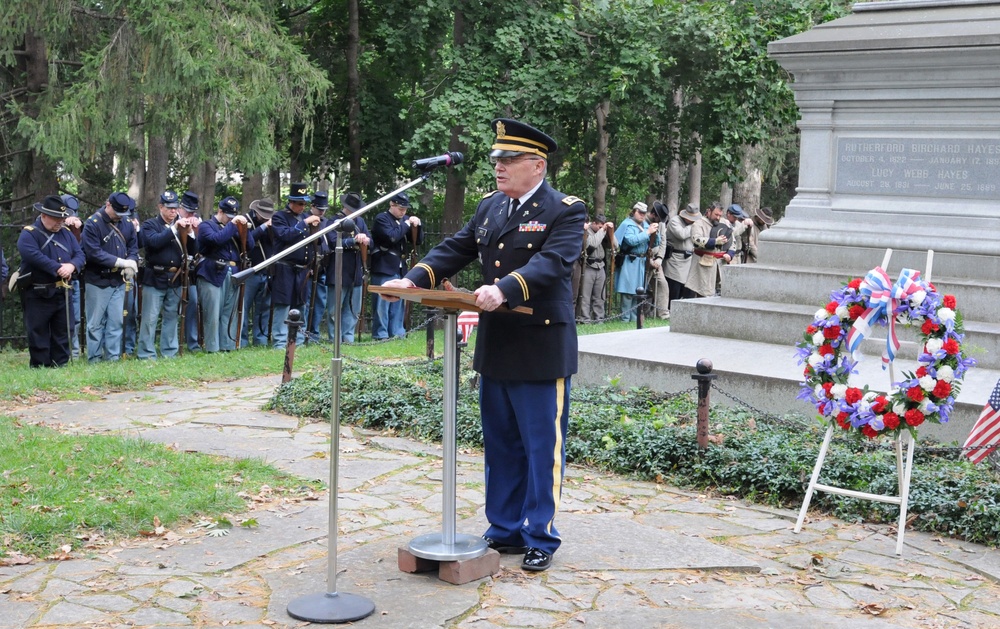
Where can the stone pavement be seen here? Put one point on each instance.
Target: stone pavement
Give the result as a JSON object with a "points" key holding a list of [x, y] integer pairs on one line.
{"points": [[636, 554]]}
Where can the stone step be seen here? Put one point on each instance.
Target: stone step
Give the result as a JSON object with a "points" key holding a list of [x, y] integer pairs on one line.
{"points": [[977, 300], [784, 324], [763, 375]]}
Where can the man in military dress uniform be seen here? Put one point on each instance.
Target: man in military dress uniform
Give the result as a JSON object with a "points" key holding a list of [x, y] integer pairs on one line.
{"points": [[527, 237], [257, 292], [220, 251], [390, 233], [112, 249], [161, 277], [189, 210], [51, 254], [288, 287], [352, 269]]}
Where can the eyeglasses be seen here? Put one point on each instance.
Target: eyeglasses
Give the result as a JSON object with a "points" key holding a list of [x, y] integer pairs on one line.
{"points": [[507, 161]]}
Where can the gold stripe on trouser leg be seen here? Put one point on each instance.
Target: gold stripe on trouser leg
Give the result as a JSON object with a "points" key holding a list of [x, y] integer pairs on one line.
{"points": [[557, 451]]}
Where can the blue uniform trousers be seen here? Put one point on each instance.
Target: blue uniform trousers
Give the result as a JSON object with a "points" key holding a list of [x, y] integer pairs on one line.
{"points": [[157, 301], [130, 330], [217, 305], [104, 307], [191, 319], [318, 309], [74, 334], [350, 310], [524, 433], [256, 310], [280, 329], [387, 318], [45, 321]]}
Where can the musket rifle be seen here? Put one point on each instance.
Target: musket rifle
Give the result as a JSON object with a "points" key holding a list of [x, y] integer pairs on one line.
{"points": [[182, 238], [241, 229], [363, 248], [313, 293]]}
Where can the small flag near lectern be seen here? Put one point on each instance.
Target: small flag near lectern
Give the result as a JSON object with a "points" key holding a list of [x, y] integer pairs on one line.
{"points": [[986, 432]]}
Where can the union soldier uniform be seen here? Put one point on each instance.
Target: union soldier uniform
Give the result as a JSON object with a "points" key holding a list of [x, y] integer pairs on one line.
{"points": [[257, 291], [390, 233], [219, 247], [188, 209], [45, 295], [526, 361], [288, 283], [352, 270], [112, 250], [161, 281]]}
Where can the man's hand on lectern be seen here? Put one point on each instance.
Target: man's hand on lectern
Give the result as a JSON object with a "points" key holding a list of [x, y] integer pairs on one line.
{"points": [[400, 283]]}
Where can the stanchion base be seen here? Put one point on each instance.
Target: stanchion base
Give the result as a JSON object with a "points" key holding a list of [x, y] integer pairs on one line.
{"points": [[329, 608], [432, 546]]}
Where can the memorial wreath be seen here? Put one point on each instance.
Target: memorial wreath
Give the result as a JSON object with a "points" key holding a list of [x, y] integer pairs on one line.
{"points": [[830, 345]]}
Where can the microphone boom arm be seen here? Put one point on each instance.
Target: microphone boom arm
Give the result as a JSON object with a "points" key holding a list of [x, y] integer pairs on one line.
{"points": [[242, 276]]}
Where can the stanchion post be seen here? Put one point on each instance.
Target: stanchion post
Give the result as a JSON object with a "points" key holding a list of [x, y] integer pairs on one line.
{"points": [[294, 322], [640, 294], [704, 378], [431, 314]]}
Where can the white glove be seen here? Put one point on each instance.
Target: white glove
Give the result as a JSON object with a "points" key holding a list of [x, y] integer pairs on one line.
{"points": [[128, 272], [122, 263]]}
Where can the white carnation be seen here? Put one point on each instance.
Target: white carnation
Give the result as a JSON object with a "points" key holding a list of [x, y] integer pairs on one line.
{"points": [[918, 297], [870, 396], [838, 391], [933, 345], [821, 315], [899, 408], [819, 392], [843, 312], [946, 314], [818, 338], [946, 373], [927, 383], [924, 404], [814, 360]]}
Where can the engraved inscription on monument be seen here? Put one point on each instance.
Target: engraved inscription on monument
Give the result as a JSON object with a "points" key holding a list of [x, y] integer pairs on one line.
{"points": [[919, 167]]}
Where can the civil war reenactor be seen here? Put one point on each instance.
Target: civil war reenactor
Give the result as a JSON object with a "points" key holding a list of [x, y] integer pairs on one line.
{"points": [[678, 263], [598, 240], [75, 226], [762, 219], [739, 222], [288, 289], [316, 292], [712, 238], [257, 291], [50, 256], [658, 256], [220, 253], [192, 315], [161, 277], [112, 250], [390, 233], [352, 269]]}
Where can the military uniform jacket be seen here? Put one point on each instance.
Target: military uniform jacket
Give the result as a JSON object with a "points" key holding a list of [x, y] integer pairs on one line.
{"points": [[389, 235], [163, 254], [103, 243], [291, 272], [219, 248], [352, 269], [263, 240], [530, 256], [41, 256]]}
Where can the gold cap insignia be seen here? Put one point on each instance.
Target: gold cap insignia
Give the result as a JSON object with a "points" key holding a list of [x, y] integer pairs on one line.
{"points": [[501, 130]]}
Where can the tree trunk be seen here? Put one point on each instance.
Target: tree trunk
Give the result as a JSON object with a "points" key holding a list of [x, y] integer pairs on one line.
{"points": [[156, 171], [203, 184], [747, 190], [353, 95], [273, 186], [294, 151], [137, 167], [454, 187], [36, 175], [601, 157], [725, 195], [694, 177], [253, 189], [673, 197]]}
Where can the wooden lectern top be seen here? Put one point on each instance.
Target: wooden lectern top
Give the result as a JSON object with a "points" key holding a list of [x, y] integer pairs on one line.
{"points": [[446, 299]]}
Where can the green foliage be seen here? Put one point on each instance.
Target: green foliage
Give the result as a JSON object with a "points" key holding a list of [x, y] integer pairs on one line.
{"points": [[651, 435]]}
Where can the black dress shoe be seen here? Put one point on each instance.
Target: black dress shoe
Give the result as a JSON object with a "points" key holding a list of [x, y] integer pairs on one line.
{"points": [[536, 560], [504, 549]]}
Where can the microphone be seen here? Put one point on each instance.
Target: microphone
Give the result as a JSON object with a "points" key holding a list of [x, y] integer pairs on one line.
{"points": [[448, 159]]}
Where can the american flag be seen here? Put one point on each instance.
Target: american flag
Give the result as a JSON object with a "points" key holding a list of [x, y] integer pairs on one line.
{"points": [[986, 432], [468, 320]]}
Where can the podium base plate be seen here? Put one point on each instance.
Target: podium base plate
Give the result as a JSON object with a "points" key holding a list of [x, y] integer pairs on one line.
{"points": [[432, 547]]}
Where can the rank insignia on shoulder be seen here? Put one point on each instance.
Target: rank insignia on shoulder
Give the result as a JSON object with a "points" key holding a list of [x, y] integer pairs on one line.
{"points": [[572, 200], [490, 194], [30, 228]]}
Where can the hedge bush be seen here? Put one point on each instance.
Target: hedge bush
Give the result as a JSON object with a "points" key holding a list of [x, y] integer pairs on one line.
{"points": [[651, 436]]}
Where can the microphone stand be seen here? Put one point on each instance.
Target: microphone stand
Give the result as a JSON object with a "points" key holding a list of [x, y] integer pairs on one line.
{"points": [[333, 606], [242, 276]]}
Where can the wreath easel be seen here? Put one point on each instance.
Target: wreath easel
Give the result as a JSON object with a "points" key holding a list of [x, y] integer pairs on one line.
{"points": [[829, 351]]}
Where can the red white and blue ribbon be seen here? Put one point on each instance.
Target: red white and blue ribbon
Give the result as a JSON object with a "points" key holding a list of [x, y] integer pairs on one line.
{"points": [[883, 299]]}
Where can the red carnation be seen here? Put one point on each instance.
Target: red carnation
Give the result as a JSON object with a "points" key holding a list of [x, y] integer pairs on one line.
{"points": [[949, 301], [914, 417], [832, 332], [921, 371], [951, 347], [915, 393], [929, 327], [855, 283], [843, 420], [942, 389], [855, 311], [853, 395], [825, 350], [891, 420], [869, 432], [826, 388], [805, 372], [811, 330], [832, 307], [880, 404]]}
